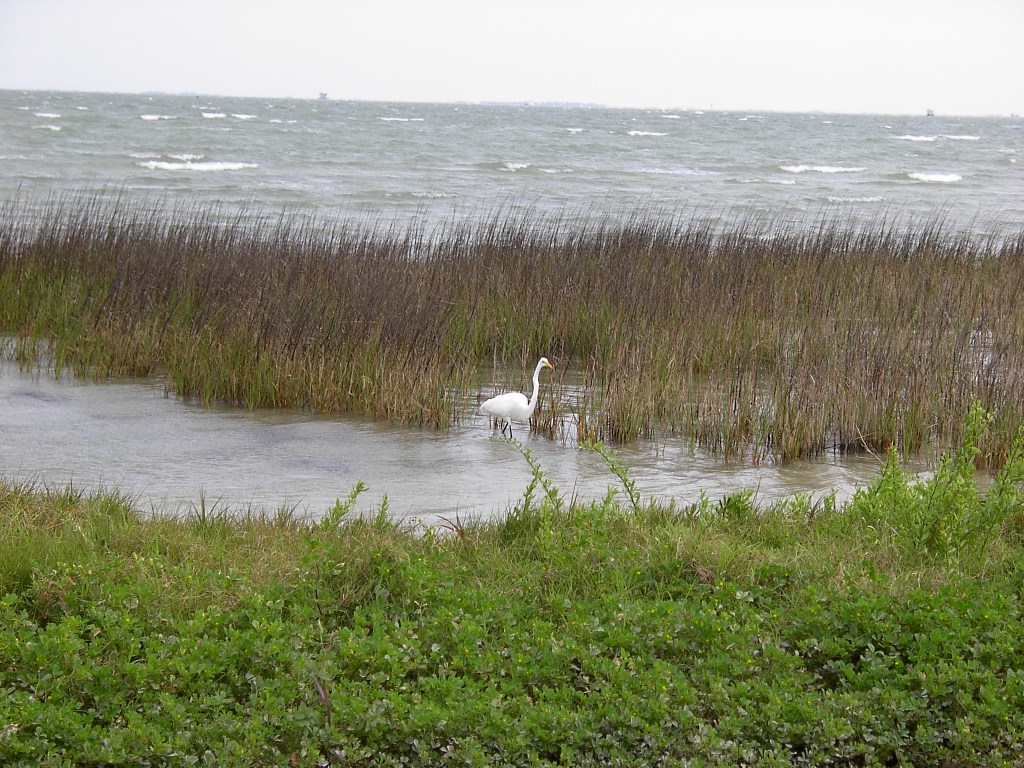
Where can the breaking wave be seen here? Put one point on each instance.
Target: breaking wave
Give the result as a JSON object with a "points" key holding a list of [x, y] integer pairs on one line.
{"points": [[189, 165]]}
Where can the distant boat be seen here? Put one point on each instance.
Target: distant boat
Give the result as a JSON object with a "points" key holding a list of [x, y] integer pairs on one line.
{"points": [[323, 94], [928, 113]]}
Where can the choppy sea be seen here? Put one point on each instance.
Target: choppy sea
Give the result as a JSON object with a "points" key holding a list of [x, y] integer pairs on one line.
{"points": [[436, 163]]}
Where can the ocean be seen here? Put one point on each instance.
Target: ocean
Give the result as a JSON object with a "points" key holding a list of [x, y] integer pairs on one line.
{"points": [[429, 165]]}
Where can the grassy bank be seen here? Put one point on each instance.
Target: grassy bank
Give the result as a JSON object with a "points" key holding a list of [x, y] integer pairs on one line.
{"points": [[762, 342], [885, 632]]}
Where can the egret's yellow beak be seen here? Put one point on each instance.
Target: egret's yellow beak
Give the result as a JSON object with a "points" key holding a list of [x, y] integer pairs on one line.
{"points": [[548, 365]]}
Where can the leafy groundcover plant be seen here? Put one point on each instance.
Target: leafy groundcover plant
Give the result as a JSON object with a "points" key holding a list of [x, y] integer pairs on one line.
{"points": [[884, 631]]}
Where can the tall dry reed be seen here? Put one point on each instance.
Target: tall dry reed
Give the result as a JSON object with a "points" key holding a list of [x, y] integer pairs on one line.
{"points": [[760, 342]]}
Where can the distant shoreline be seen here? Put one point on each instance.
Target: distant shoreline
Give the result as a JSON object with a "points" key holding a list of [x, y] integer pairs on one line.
{"points": [[314, 96]]}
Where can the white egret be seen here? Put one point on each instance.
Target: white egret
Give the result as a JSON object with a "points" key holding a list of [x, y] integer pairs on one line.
{"points": [[514, 405]]}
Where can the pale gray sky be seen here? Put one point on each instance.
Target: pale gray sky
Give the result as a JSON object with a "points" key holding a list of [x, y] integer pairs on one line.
{"points": [[890, 56]]}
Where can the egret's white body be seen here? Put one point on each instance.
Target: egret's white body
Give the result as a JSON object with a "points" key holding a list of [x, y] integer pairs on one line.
{"points": [[514, 405]]}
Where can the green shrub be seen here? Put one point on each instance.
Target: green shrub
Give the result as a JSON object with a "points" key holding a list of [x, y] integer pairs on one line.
{"points": [[795, 634]]}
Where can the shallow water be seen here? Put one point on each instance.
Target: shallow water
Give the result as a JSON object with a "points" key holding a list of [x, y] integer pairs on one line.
{"points": [[171, 455]]}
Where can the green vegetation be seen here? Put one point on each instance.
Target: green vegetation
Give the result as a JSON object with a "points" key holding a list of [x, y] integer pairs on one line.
{"points": [[763, 343], [886, 631]]}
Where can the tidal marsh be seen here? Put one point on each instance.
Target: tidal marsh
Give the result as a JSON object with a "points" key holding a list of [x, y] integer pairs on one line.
{"points": [[762, 343]]}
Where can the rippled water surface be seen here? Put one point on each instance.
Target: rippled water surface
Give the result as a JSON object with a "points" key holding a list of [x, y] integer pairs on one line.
{"points": [[172, 455], [437, 162]]}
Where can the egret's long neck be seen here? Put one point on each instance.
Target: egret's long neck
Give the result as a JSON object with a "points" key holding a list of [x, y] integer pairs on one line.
{"points": [[536, 386]]}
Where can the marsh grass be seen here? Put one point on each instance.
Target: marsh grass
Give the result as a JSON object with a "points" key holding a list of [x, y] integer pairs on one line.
{"points": [[762, 342]]}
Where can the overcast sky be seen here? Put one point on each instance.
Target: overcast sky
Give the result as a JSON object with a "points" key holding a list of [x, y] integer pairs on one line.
{"points": [[885, 56]]}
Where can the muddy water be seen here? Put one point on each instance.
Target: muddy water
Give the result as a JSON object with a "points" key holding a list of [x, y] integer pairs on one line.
{"points": [[172, 455]]}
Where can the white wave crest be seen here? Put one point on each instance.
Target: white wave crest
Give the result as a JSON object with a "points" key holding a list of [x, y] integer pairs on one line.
{"points": [[907, 137], [821, 168], [515, 166], [213, 115], [941, 178], [962, 137], [679, 170], [48, 127], [864, 199], [160, 165], [159, 117], [647, 133], [47, 115], [244, 117], [402, 119], [186, 158]]}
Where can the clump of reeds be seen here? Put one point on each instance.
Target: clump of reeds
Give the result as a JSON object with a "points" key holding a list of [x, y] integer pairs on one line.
{"points": [[760, 342]]}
